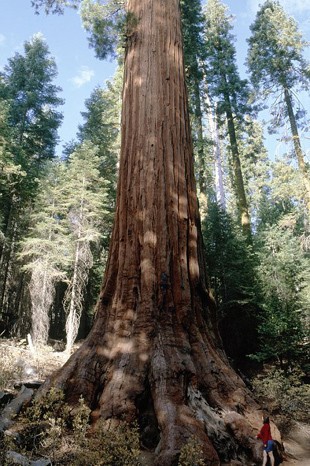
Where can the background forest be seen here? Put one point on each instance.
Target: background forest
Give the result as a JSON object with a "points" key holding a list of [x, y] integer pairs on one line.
{"points": [[56, 213]]}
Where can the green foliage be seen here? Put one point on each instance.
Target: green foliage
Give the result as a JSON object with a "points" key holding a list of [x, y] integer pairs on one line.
{"points": [[283, 274], [33, 101], [43, 424], [194, 57], [118, 446], [80, 421], [228, 257], [86, 205], [102, 128], [285, 392], [275, 60], [54, 6], [191, 454], [62, 432], [47, 240], [43, 252], [255, 166], [192, 27], [31, 118], [275, 50], [11, 173], [106, 22], [229, 93], [85, 192], [225, 84], [51, 405]]}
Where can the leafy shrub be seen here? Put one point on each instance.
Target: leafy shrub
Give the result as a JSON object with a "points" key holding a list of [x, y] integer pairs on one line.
{"points": [[43, 424], [191, 454], [10, 370], [80, 421], [51, 405], [51, 428], [117, 446], [284, 392]]}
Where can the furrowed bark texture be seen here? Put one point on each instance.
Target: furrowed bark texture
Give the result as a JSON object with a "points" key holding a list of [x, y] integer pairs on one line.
{"points": [[154, 353]]}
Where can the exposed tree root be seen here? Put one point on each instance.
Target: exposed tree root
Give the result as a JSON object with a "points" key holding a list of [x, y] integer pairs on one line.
{"points": [[176, 389]]}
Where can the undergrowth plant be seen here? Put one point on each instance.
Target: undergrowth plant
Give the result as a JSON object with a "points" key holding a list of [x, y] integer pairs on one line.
{"points": [[191, 454], [285, 394], [10, 370], [54, 429]]}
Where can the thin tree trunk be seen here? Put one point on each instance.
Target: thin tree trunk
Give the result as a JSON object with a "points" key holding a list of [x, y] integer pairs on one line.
{"points": [[219, 184], [71, 323], [6, 264], [41, 297], [200, 141], [237, 172], [154, 353], [79, 269], [297, 145]]}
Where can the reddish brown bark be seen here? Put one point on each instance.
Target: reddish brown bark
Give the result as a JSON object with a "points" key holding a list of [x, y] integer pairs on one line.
{"points": [[154, 352]]}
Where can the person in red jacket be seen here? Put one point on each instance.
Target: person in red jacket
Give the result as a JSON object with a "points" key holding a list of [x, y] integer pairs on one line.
{"points": [[265, 436]]}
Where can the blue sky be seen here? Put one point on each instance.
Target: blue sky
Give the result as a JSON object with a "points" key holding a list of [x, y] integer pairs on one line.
{"points": [[78, 69]]}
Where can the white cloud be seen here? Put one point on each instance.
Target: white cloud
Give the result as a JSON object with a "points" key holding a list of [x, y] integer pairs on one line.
{"points": [[2, 39], [84, 75]]}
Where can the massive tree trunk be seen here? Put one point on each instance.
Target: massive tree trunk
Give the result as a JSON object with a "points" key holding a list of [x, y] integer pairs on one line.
{"points": [[154, 353]]}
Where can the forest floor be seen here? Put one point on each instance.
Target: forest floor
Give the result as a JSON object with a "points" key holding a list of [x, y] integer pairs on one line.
{"points": [[20, 364]]}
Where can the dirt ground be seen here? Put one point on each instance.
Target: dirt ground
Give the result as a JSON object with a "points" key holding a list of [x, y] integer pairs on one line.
{"points": [[19, 363]]}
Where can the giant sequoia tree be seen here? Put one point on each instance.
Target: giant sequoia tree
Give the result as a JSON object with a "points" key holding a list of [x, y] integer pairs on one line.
{"points": [[154, 353]]}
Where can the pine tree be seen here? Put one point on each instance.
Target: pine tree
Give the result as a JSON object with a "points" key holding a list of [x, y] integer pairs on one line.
{"points": [[230, 92], [33, 101], [86, 210], [275, 61], [283, 274], [44, 252], [102, 128], [10, 172], [32, 118], [256, 166]]}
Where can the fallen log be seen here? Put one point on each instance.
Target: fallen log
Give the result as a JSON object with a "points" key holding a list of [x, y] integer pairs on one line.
{"points": [[14, 407]]}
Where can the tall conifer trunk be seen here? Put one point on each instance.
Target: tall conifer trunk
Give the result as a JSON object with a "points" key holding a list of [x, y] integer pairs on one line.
{"points": [[242, 205], [297, 146], [154, 353]]}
